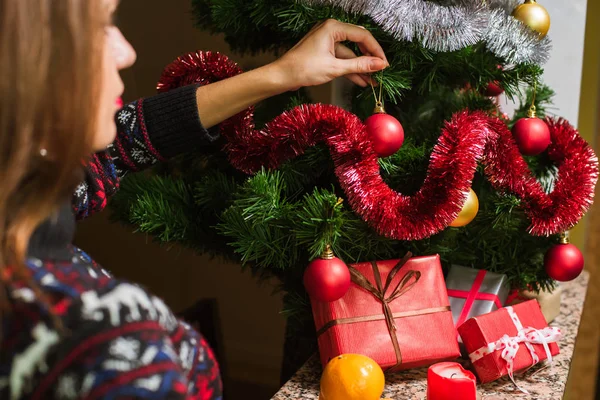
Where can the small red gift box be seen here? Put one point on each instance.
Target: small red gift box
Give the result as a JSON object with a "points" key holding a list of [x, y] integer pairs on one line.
{"points": [[508, 340], [395, 312]]}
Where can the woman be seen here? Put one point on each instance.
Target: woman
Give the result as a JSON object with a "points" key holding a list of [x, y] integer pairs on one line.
{"points": [[69, 329]]}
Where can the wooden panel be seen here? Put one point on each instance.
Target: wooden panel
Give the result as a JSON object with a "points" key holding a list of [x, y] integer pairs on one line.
{"points": [[584, 370]]}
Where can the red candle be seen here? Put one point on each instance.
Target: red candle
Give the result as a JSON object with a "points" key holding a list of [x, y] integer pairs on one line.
{"points": [[450, 381]]}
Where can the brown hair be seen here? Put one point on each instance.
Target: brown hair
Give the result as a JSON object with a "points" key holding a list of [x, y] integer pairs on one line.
{"points": [[50, 60]]}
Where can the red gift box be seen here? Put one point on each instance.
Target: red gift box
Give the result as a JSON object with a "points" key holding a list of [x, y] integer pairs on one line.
{"points": [[395, 312], [508, 340]]}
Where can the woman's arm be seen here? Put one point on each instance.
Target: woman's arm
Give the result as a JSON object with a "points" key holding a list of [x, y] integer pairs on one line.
{"points": [[168, 124], [148, 131], [318, 58]]}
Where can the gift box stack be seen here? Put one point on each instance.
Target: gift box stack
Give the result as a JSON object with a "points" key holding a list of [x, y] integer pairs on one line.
{"points": [[394, 308], [475, 292]]}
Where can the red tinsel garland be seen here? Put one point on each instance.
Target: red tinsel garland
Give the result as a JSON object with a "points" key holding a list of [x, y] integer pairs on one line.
{"points": [[469, 138]]}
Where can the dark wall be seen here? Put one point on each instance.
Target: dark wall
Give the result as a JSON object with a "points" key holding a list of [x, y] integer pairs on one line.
{"points": [[251, 327]]}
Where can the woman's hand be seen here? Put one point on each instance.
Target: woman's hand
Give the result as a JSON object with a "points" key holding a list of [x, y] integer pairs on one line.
{"points": [[320, 57]]}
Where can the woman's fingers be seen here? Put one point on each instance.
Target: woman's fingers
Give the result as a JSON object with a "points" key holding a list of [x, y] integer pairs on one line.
{"points": [[320, 57], [360, 65], [368, 45], [344, 53]]}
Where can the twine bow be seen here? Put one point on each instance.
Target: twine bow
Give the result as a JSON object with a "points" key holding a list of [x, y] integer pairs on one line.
{"points": [[405, 284], [509, 345], [408, 281]]}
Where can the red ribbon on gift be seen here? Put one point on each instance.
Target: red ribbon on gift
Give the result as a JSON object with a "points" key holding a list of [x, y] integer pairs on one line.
{"points": [[473, 295], [515, 296], [509, 346]]}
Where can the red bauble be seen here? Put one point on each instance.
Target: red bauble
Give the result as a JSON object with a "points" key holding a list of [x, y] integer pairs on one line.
{"points": [[532, 136], [386, 133], [563, 262], [493, 89], [327, 278]]}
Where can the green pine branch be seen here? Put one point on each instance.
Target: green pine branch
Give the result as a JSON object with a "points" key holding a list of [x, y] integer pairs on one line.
{"points": [[275, 222], [266, 25], [259, 223], [542, 101]]}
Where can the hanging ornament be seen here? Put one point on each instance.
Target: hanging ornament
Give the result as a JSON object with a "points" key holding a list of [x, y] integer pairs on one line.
{"points": [[534, 16], [327, 278], [564, 261], [531, 134], [468, 212], [385, 131], [493, 89]]}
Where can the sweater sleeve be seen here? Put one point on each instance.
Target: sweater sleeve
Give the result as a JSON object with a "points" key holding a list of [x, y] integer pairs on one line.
{"points": [[148, 131], [123, 343]]}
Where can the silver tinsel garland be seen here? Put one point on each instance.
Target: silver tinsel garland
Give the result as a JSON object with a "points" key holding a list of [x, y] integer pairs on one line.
{"points": [[454, 25]]}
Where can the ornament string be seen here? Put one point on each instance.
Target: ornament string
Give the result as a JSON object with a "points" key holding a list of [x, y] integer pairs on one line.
{"points": [[532, 113], [468, 139], [328, 225], [378, 100]]}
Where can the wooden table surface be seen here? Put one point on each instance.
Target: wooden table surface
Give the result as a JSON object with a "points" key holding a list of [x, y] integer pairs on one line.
{"points": [[542, 382]]}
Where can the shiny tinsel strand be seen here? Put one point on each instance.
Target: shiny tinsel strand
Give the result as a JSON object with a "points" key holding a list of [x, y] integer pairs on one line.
{"points": [[467, 139], [452, 25]]}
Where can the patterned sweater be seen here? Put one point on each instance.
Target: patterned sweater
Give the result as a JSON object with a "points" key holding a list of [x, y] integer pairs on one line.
{"points": [[118, 341]]}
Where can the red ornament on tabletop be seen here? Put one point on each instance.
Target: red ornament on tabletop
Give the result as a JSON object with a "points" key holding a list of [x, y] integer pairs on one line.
{"points": [[385, 132], [563, 262], [327, 278], [450, 381], [531, 134]]}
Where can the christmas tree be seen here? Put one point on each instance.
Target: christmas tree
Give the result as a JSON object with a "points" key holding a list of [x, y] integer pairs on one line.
{"points": [[448, 62]]}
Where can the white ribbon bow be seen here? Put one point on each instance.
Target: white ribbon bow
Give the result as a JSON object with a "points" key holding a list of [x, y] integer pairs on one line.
{"points": [[510, 345]]}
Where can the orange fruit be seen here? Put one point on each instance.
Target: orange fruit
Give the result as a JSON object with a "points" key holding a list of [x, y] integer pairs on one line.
{"points": [[352, 377]]}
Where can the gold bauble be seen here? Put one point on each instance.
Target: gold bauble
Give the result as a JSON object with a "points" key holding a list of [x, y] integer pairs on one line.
{"points": [[533, 15], [468, 212]]}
